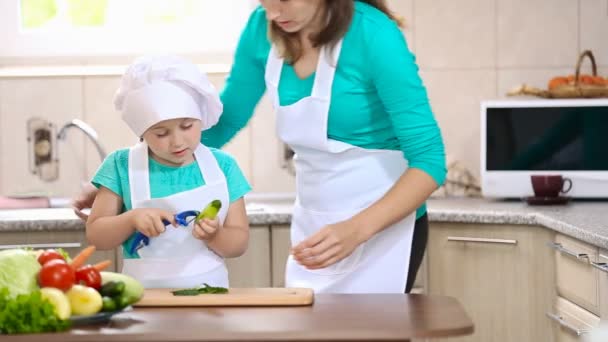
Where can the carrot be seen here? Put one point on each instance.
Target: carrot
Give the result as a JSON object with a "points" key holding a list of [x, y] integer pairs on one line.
{"points": [[100, 266], [81, 257]]}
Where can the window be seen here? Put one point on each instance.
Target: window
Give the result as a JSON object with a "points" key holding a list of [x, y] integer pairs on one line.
{"points": [[34, 28]]}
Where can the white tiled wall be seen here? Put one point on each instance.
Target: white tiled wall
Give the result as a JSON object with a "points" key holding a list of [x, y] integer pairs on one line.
{"points": [[467, 50], [56, 99]]}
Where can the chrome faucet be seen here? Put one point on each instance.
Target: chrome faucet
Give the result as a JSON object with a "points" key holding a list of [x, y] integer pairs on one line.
{"points": [[88, 130]]}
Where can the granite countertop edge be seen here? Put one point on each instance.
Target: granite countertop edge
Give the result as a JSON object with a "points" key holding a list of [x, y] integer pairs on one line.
{"points": [[586, 222]]}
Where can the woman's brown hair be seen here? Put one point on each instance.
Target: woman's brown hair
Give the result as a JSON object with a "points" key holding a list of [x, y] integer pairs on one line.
{"points": [[338, 15]]}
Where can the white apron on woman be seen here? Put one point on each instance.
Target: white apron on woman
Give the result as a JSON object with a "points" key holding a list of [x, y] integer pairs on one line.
{"points": [[175, 258], [335, 181]]}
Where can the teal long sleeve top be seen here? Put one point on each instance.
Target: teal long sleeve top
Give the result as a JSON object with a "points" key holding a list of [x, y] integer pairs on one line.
{"points": [[378, 98]]}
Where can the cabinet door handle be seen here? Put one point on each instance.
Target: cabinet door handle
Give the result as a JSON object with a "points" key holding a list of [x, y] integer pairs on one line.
{"points": [[602, 266], [481, 240], [560, 248], [44, 245], [563, 323]]}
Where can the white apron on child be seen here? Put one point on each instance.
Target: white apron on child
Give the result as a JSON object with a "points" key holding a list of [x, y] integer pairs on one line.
{"points": [[335, 181], [175, 258]]}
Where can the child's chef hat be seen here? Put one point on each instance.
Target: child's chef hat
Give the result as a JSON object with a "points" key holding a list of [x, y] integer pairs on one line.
{"points": [[157, 88]]}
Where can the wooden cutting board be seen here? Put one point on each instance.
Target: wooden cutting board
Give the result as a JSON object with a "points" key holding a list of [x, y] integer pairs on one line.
{"points": [[234, 297]]}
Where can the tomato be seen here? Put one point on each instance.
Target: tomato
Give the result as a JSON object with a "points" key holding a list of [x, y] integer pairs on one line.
{"points": [[89, 276], [58, 274], [48, 255]]}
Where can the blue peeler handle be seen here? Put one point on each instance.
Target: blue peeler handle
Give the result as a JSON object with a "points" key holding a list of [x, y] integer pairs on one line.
{"points": [[181, 219]]}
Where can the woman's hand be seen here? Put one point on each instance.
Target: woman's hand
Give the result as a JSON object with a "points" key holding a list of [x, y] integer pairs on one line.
{"points": [[84, 200], [150, 221], [329, 245], [206, 229]]}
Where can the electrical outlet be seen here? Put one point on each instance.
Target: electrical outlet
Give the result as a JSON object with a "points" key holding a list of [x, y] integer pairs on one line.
{"points": [[42, 154]]}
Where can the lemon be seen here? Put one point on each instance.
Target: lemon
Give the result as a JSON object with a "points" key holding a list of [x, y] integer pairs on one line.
{"points": [[84, 300], [59, 301]]}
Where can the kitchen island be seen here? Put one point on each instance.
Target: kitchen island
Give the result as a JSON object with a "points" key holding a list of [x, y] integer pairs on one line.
{"points": [[332, 317], [521, 272]]}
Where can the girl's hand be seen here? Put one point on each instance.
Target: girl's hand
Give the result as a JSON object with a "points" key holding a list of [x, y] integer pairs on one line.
{"points": [[206, 229], [329, 245], [150, 221]]}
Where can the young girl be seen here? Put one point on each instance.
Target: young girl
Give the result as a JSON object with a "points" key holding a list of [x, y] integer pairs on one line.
{"points": [[167, 102]]}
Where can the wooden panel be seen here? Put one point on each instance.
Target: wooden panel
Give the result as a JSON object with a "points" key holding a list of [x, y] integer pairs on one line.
{"points": [[281, 243], [422, 276], [577, 280], [502, 274], [234, 297], [252, 269], [571, 322]]}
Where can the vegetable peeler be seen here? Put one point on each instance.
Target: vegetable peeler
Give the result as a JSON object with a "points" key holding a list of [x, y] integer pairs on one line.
{"points": [[182, 219]]}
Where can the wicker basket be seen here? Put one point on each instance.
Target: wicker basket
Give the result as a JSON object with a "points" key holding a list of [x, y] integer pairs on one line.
{"points": [[574, 89]]}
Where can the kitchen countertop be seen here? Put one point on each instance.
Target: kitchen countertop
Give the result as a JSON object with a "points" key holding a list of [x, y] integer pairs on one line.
{"points": [[333, 317], [586, 221]]}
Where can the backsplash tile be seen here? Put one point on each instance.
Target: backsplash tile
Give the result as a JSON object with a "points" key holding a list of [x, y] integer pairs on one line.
{"points": [[594, 29], [58, 100], [537, 33], [455, 97], [455, 34]]}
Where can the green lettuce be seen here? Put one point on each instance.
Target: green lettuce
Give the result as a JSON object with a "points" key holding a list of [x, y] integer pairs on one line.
{"points": [[18, 271]]}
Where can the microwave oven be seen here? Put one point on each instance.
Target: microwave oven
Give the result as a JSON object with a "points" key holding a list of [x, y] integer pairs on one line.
{"points": [[567, 137]]}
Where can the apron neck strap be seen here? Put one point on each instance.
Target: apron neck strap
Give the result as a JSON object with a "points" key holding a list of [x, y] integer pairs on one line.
{"points": [[139, 177], [210, 169], [326, 69]]}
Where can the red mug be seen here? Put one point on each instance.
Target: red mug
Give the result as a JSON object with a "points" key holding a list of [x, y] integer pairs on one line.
{"points": [[550, 185]]}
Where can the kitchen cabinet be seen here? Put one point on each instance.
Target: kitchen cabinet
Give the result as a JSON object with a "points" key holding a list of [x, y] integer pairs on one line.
{"points": [[281, 242], [71, 241], [571, 322], [603, 283], [577, 278], [252, 269], [503, 275], [580, 274]]}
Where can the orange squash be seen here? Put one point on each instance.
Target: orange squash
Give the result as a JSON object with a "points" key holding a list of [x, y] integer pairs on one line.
{"points": [[557, 81]]}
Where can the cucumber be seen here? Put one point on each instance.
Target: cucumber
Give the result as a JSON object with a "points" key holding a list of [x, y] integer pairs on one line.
{"points": [[133, 291], [112, 288], [210, 211]]}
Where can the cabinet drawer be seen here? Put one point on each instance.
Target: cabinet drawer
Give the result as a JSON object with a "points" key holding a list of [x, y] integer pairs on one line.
{"points": [[252, 269], [603, 275], [571, 322], [70, 241], [577, 278]]}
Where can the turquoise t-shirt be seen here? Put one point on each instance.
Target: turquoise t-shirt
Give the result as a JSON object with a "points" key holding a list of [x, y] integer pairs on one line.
{"points": [[378, 99], [166, 180]]}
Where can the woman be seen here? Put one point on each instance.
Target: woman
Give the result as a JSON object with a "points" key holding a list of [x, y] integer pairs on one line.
{"points": [[350, 103]]}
